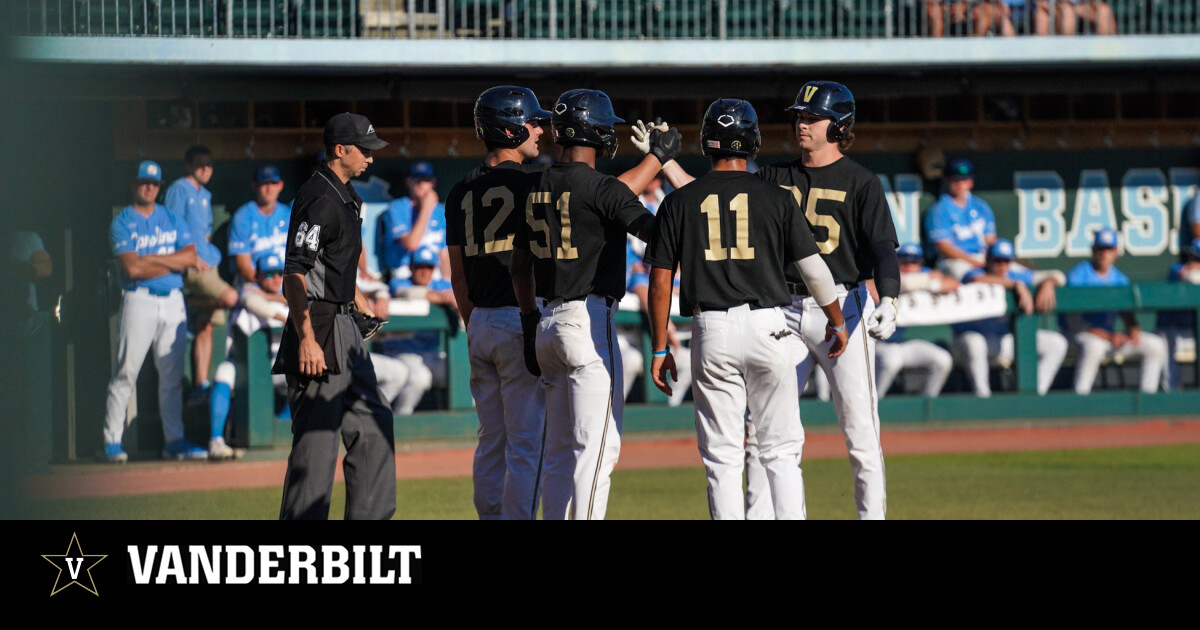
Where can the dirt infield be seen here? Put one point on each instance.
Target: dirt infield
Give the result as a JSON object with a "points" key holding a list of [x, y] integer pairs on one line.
{"points": [[153, 477]]}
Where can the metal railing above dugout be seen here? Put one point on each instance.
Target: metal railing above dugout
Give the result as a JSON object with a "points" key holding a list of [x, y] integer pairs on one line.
{"points": [[597, 19]]}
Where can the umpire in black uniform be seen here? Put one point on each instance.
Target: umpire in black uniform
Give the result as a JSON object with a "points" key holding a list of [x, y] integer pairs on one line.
{"points": [[331, 382]]}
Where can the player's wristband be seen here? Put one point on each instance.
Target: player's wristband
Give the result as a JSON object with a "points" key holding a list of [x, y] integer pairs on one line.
{"points": [[836, 329], [661, 353]]}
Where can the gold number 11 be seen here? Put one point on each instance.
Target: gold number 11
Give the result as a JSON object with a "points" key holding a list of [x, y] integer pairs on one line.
{"points": [[740, 207]]}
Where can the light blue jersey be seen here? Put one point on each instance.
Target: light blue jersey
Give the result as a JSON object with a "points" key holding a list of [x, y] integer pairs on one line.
{"points": [[397, 221], [1085, 275], [159, 234], [195, 206], [252, 232], [420, 341], [997, 326], [966, 228]]}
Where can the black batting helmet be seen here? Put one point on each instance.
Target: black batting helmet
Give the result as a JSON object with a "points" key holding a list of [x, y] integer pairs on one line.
{"points": [[586, 117], [501, 113], [827, 100], [730, 129]]}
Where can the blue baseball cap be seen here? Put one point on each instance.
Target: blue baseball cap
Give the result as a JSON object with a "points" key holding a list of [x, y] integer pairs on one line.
{"points": [[268, 263], [1105, 239], [960, 168], [1193, 248], [149, 171], [427, 256], [1002, 249], [267, 173], [911, 251], [421, 170]]}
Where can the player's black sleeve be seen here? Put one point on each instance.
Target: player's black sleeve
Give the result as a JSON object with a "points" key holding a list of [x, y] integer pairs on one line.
{"points": [[663, 249], [874, 215], [887, 269], [800, 243], [618, 203], [313, 226], [455, 234]]}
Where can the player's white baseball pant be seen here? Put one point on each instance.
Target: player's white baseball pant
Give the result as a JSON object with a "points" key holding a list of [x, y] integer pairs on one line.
{"points": [[512, 417], [977, 352], [149, 322], [743, 359], [413, 388], [393, 377], [891, 358], [1151, 348], [852, 383], [581, 366], [632, 365]]}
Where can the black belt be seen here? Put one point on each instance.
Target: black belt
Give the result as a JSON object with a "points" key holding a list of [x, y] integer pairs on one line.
{"points": [[609, 301], [799, 289]]}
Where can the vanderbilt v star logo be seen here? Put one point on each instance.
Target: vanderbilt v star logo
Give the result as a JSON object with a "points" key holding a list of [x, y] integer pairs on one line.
{"points": [[76, 566], [809, 91]]}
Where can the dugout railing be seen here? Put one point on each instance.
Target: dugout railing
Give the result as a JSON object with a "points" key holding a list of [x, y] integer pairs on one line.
{"points": [[591, 19], [255, 423]]}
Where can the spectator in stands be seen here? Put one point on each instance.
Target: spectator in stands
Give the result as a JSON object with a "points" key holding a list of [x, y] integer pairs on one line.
{"points": [[952, 14], [993, 16], [978, 343], [422, 351], [1096, 15], [1179, 327], [960, 225], [1033, 16], [1098, 338], [260, 227], [896, 354], [409, 223], [188, 199]]}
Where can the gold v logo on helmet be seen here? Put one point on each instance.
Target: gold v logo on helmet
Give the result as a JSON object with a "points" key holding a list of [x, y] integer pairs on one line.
{"points": [[809, 91]]}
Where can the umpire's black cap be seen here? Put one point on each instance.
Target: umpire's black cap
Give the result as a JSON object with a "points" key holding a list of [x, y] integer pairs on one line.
{"points": [[353, 129]]}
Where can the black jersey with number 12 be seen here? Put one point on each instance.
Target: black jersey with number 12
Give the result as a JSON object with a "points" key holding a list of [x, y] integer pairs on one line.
{"points": [[846, 208], [575, 228], [732, 234], [483, 213]]}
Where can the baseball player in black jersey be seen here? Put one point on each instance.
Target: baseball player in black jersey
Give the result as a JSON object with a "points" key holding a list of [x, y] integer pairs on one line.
{"points": [[483, 213], [846, 208], [331, 381], [573, 242], [733, 235]]}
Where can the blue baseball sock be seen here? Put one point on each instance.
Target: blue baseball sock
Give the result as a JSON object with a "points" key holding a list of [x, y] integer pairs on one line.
{"points": [[218, 408]]}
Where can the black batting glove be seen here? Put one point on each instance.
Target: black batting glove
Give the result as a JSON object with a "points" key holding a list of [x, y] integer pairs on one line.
{"points": [[666, 145], [529, 324]]}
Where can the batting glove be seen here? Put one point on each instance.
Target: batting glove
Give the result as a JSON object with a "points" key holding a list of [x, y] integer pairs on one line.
{"points": [[666, 145], [529, 324], [641, 135], [882, 323]]}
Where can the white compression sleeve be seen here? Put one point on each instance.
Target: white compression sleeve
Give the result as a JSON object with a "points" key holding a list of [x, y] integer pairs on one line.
{"points": [[818, 279]]}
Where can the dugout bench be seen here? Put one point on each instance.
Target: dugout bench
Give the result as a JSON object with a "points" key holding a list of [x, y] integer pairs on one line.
{"points": [[254, 423]]}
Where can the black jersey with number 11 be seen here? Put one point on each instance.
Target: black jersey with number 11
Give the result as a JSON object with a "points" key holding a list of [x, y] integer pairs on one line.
{"points": [[732, 235], [483, 213]]}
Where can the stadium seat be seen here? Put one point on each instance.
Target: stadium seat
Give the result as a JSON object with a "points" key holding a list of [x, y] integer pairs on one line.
{"points": [[805, 18], [325, 18], [185, 18], [253, 18], [750, 19], [671, 19], [865, 18]]}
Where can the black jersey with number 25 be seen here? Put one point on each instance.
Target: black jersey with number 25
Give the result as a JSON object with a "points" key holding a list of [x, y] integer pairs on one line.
{"points": [[483, 213], [575, 228], [732, 234], [846, 208]]}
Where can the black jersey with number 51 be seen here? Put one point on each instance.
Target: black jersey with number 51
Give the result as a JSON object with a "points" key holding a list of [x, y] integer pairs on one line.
{"points": [[575, 228], [846, 208], [732, 235], [483, 213]]}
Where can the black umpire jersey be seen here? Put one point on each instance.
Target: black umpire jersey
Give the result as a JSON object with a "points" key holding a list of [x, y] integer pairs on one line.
{"points": [[483, 213], [324, 241], [846, 209], [575, 228], [733, 235]]}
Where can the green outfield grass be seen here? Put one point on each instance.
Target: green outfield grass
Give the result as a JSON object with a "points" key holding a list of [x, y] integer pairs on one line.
{"points": [[1125, 483]]}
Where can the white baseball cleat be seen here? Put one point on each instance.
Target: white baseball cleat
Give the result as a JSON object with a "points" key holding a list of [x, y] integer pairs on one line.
{"points": [[218, 450]]}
